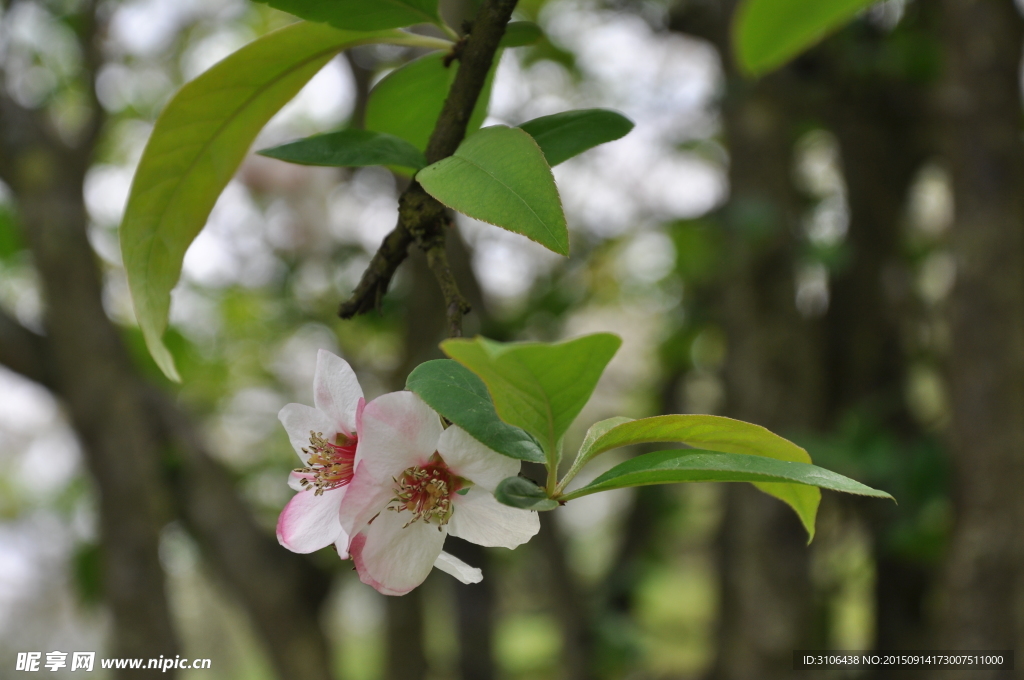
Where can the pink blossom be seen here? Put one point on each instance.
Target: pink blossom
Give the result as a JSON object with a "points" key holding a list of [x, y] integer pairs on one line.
{"points": [[325, 438], [416, 482]]}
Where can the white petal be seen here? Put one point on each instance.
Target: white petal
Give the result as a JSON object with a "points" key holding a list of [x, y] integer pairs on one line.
{"points": [[341, 546], [393, 559], [399, 431], [468, 458], [295, 480], [480, 519], [336, 390], [299, 420], [450, 564], [363, 500], [310, 522]]}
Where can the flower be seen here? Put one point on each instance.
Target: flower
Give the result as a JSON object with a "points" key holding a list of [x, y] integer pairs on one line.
{"points": [[416, 482], [325, 438]]}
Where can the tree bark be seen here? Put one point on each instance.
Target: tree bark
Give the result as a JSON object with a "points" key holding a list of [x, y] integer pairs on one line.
{"points": [[136, 441], [772, 378], [980, 113], [881, 122], [91, 372]]}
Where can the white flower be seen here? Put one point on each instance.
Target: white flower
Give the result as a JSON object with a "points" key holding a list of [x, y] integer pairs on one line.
{"points": [[325, 438], [416, 482]]}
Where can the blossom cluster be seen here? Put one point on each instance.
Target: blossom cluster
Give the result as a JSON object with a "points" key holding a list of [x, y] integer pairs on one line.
{"points": [[385, 482]]}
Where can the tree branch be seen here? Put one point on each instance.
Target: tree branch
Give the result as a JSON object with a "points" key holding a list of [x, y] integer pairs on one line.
{"points": [[24, 351], [420, 216]]}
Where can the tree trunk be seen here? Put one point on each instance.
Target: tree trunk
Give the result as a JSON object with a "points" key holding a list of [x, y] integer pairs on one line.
{"points": [[880, 122], [771, 377], [980, 112], [92, 374]]}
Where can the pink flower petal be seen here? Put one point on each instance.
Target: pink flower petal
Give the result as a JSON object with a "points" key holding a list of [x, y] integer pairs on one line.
{"points": [[336, 391], [450, 564], [299, 420], [393, 559], [364, 499], [468, 458], [398, 431], [310, 522], [478, 518]]}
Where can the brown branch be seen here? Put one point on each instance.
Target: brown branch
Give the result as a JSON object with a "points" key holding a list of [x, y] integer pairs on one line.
{"points": [[420, 216], [24, 351]]}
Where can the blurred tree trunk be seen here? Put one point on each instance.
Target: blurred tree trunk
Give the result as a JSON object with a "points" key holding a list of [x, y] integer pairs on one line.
{"points": [[980, 114], [569, 601], [135, 439], [880, 121], [90, 370], [771, 370], [771, 378]]}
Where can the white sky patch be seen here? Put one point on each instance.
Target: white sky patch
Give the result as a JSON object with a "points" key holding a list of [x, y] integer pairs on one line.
{"points": [[232, 249], [322, 105], [365, 209], [106, 192], [148, 27], [25, 407], [649, 257], [199, 57], [505, 263], [50, 462]]}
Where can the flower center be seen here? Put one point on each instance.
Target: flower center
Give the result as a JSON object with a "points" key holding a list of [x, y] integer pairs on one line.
{"points": [[329, 465], [426, 492]]}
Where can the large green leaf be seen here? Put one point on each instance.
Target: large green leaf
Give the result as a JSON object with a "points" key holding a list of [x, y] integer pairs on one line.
{"points": [[499, 176], [362, 15], [564, 135], [768, 33], [694, 465], [716, 433], [520, 492], [459, 395], [408, 101], [196, 146], [539, 387], [350, 148]]}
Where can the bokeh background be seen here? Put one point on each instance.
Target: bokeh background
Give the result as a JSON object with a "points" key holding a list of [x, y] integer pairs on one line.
{"points": [[832, 251]]}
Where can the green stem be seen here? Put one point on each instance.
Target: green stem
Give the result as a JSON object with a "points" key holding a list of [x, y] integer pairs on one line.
{"points": [[431, 43], [577, 465], [450, 32]]}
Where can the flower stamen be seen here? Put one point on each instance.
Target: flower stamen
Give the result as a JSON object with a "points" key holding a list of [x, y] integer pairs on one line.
{"points": [[426, 492], [329, 466]]}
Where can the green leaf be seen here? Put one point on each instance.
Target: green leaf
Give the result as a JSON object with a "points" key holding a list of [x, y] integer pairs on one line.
{"points": [[457, 394], [499, 176], [520, 492], [694, 465], [349, 148], [596, 431], [537, 386], [564, 135], [768, 33], [520, 34], [717, 433], [197, 144], [407, 102], [362, 15]]}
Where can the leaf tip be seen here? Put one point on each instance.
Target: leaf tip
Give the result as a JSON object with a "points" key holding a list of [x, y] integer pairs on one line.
{"points": [[161, 355]]}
